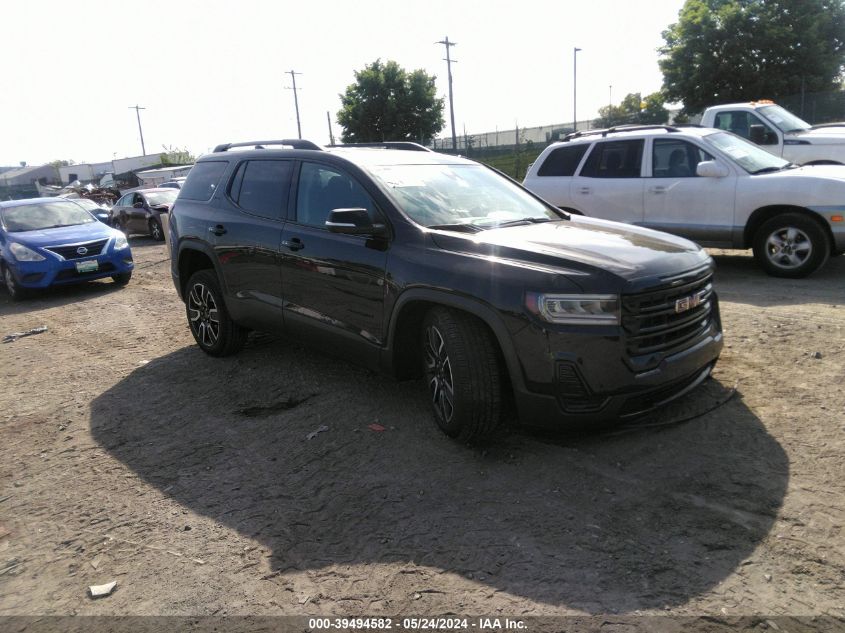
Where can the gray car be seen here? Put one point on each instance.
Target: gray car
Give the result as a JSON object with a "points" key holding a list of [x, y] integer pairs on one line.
{"points": [[140, 211]]}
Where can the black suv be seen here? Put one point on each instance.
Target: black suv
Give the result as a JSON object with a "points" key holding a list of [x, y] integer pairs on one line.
{"points": [[419, 263]]}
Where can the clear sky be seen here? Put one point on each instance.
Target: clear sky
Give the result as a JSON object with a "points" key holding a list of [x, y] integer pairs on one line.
{"points": [[211, 71]]}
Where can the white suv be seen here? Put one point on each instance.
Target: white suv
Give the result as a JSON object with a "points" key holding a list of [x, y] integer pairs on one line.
{"points": [[707, 185]]}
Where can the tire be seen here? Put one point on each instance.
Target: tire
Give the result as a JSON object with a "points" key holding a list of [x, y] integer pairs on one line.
{"points": [[156, 232], [791, 245], [213, 329], [463, 374], [15, 291], [122, 279]]}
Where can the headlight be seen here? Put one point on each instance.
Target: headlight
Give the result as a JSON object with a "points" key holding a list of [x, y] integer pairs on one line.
{"points": [[120, 242], [24, 254], [574, 309]]}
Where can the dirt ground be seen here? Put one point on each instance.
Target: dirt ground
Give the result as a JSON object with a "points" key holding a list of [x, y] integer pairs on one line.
{"points": [[127, 454]]}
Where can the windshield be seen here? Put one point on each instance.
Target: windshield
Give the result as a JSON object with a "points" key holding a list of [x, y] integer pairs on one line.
{"points": [[784, 119], [46, 215], [161, 197], [749, 156], [459, 195]]}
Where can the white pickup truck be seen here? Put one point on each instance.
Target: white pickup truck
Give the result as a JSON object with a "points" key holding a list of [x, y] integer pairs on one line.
{"points": [[780, 132]]}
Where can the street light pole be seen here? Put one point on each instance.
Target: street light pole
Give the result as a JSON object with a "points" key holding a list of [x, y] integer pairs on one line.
{"points": [[138, 109], [575, 88]]}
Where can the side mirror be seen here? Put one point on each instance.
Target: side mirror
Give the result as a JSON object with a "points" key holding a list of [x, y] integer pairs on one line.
{"points": [[353, 222], [138, 205], [711, 169]]}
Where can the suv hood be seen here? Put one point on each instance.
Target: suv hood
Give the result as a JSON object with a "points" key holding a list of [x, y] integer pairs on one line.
{"points": [[581, 245], [827, 172]]}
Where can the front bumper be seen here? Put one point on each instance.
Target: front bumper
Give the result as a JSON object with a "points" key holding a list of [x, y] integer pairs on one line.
{"points": [[594, 383], [54, 270]]}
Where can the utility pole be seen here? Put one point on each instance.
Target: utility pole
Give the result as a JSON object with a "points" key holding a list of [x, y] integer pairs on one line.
{"points": [[138, 109], [449, 61], [293, 75], [329, 121], [575, 88]]}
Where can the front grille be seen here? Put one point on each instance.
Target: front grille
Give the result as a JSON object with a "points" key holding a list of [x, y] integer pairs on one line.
{"points": [[70, 251], [652, 322], [71, 273]]}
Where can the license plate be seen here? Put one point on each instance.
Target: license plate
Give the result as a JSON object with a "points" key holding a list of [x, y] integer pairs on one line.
{"points": [[87, 266]]}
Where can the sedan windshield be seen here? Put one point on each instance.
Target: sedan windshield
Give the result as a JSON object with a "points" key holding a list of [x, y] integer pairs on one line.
{"points": [[784, 119], [749, 156], [45, 215], [460, 197], [161, 197]]}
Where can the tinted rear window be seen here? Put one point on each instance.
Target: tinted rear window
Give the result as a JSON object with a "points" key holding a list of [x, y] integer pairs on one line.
{"points": [[614, 159], [563, 161], [202, 180], [261, 187]]}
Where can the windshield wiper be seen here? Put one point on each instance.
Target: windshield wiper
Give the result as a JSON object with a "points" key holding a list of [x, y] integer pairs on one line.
{"points": [[520, 221], [470, 228]]}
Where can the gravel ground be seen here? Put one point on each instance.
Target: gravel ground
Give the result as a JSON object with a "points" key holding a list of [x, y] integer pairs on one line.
{"points": [[129, 455]]}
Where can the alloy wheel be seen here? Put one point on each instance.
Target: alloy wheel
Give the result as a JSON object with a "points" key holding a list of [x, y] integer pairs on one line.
{"points": [[438, 369], [788, 247], [203, 315]]}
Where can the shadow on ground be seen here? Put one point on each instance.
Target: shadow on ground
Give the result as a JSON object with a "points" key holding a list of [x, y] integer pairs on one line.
{"points": [[741, 280], [637, 520]]}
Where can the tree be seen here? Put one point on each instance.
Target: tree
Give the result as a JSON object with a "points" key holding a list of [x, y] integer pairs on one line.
{"points": [[634, 109], [176, 156], [740, 50], [61, 163], [386, 103]]}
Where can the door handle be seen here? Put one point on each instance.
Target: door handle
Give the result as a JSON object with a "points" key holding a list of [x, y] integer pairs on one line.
{"points": [[657, 190], [218, 230], [294, 244], [584, 190]]}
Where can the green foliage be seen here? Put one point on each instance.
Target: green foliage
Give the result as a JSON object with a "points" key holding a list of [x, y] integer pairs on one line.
{"points": [[176, 156], [61, 163], [387, 103], [634, 109], [740, 50]]}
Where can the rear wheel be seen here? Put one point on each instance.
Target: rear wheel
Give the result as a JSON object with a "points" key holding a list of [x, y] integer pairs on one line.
{"points": [[791, 245], [213, 329], [156, 232], [463, 374]]}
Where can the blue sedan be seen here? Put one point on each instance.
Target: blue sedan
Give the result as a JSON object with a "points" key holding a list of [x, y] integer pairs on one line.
{"points": [[50, 241]]}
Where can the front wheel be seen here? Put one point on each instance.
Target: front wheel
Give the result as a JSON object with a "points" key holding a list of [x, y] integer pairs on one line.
{"points": [[122, 279], [15, 290], [213, 329], [156, 232], [463, 374], [791, 245]]}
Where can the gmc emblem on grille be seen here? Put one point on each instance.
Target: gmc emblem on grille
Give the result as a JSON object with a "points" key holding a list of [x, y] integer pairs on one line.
{"points": [[688, 303], [82, 250]]}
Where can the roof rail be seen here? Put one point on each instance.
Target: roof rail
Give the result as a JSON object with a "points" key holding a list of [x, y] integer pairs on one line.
{"points": [[407, 145], [620, 128], [295, 143]]}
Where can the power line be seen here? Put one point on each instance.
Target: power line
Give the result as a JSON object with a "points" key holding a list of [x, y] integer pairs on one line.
{"points": [[449, 61], [293, 75], [138, 109]]}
